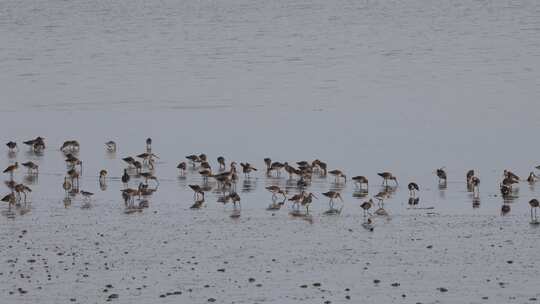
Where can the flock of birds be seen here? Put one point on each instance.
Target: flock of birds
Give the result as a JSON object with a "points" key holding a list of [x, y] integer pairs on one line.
{"points": [[141, 168]]}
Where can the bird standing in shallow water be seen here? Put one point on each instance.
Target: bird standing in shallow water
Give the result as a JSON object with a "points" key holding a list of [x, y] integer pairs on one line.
{"points": [[149, 145], [386, 176], [441, 174], [532, 178], [332, 195], [12, 146], [534, 205], [182, 167], [247, 168], [11, 169], [125, 179], [102, 176], [111, 146], [413, 187], [338, 174], [366, 206], [221, 162], [32, 167], [66, 185]]}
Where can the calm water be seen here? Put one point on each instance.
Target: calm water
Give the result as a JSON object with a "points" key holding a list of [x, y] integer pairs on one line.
{"points": [[367, 86]]}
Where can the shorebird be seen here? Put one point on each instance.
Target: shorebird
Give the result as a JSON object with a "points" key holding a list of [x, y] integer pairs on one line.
{"points": [[37, 144], [321, 165], [332, 195], [247, 168], [306, 201], [275, 190], [149, 144], [268, 163], [532, 178], [221, 162], [290, 169], [129, 195], [234, 198], [469, 175], [505, 209], [197, 191], [360, 180], [125, 178], [296, 199], [534, 205], [441, 174], [102, 176], [387, 176], [193, 159], [22, 189], [144, 190], [275, 166], [505, 190], [70, 146], [74, 176], [66, 185], [413, 187], [86, 195], [206, 173], [11, 169], [509, 181], [12, 146], [73, 161], [509, 174], [111, 146], [366, 206], [32, 167], [338, 174], [148, 158], [10, 199], [182, 167], [475, 183], [138, 166]]}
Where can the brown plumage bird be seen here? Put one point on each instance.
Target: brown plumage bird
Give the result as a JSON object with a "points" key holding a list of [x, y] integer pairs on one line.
{"points": [[386, 176], [32, 167], [11, 169], [332, 195], [182, 167], [366, 206], [359, 181], [532, 178], [338, 174]]}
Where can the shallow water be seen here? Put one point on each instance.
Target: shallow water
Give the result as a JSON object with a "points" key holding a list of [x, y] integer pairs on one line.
{"points": [[367, 86]]}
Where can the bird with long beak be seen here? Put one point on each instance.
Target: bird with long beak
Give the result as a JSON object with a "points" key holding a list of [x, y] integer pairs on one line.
{"points": [[332, 195]]}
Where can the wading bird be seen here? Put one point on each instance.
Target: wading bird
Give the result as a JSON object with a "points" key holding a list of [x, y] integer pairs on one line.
{"points": [[386, 176]]}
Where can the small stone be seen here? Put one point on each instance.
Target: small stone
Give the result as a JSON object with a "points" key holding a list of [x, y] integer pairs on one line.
{"points": [[221, 270], [510, 262], [251, 280], [442, 289], [376, 281], [347, 297], [211, 300], [317, 284]]}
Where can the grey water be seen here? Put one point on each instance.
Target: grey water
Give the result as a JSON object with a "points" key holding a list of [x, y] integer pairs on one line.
{"points": [[367, 86]]}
